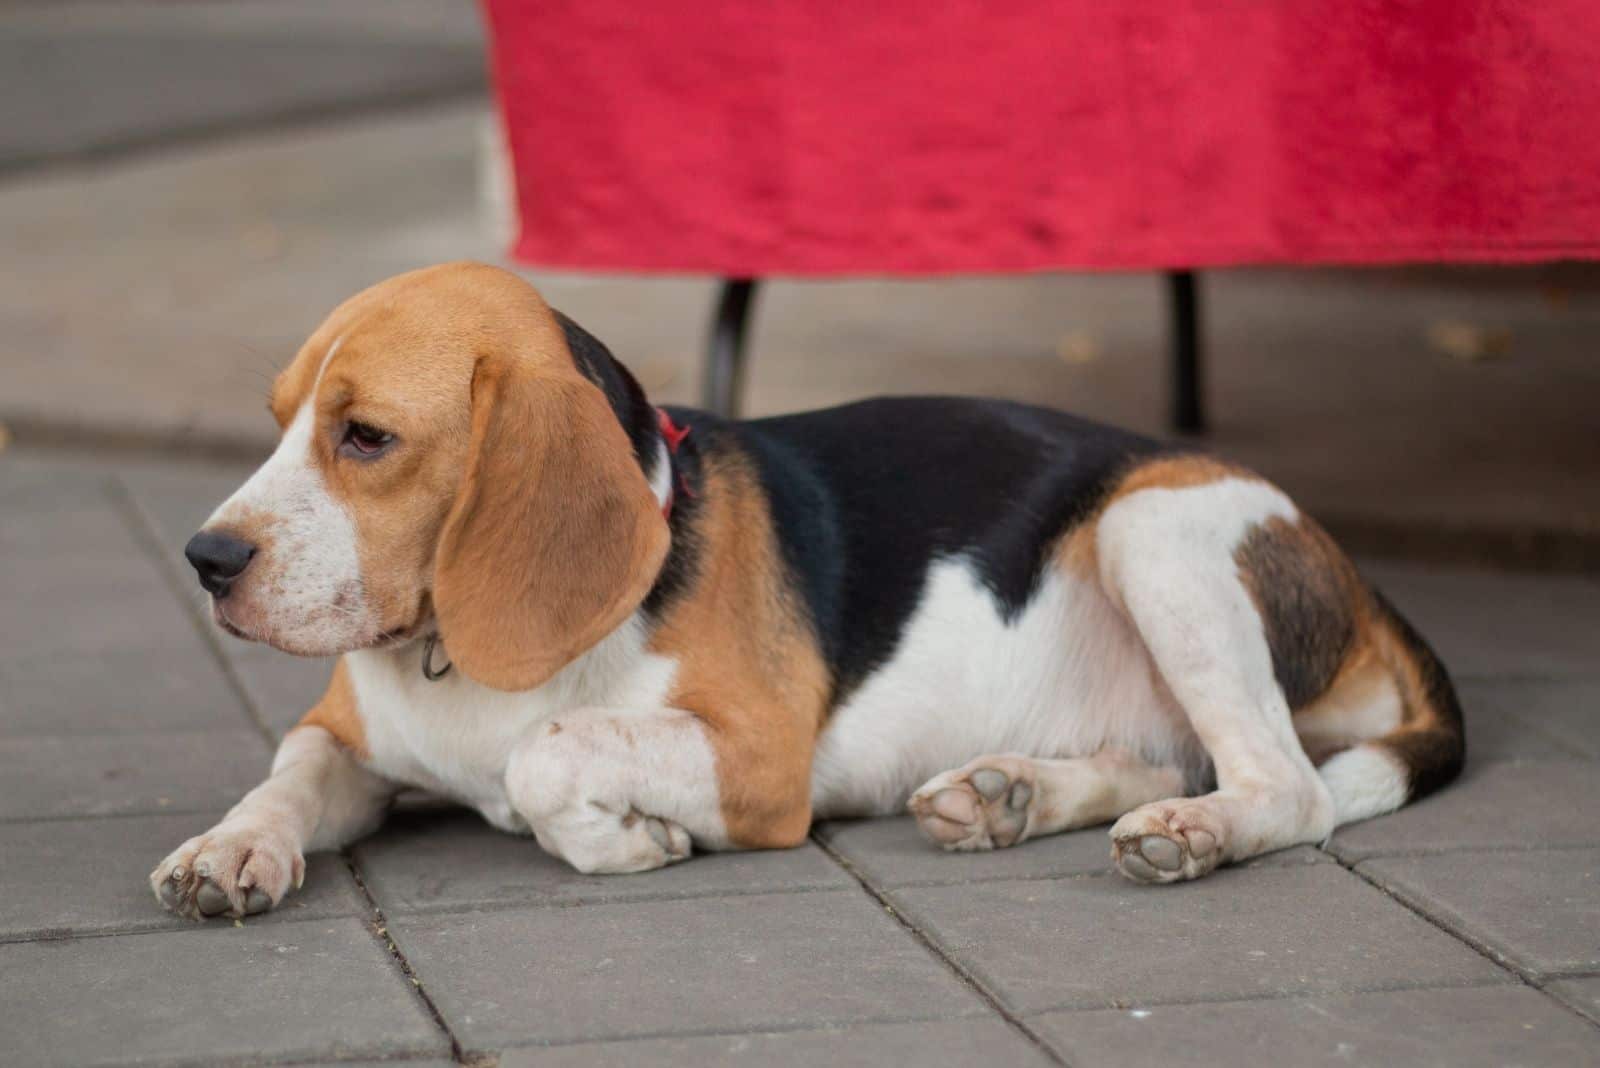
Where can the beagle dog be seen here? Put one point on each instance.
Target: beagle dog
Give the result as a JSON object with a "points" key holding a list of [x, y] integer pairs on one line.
{"points": [[635, 632]]}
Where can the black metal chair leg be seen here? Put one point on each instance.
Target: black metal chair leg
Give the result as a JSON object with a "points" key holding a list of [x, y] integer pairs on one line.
{"points": [[725, 356], [1188, 410]]}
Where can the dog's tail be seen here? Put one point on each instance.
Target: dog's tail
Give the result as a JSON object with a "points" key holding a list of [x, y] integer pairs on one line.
{"points": [[1424, 751]]}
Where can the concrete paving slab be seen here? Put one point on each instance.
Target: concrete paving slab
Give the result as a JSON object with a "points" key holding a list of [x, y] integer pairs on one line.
{"points": [[67, 519], [1489, 625], [657, 968], [172, 771], [1581, 995], [1538, 910], [32, 479], [1480, 1027], [387, 1062], [74, 877], [282, 687], [1566, 711], [115, 692], [1270, 932], [90, 604], [1494, 806], [424, 861], [291, 990], [409, 1062], [178, 498], [891, 853], [159, 78], [1530, 719], [256, 241], [945, 1042]]}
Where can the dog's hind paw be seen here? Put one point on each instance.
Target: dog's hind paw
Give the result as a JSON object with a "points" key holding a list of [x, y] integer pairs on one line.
{"points": [[1167, 841], [985, 804]]}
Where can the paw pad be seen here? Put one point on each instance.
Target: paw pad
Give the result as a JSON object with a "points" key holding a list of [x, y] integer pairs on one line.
{"points": [[982, 806], [1163, 843]]}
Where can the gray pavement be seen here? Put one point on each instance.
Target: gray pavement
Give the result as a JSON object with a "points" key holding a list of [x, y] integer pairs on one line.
{"points": [[1464, 930], [85, 81]]}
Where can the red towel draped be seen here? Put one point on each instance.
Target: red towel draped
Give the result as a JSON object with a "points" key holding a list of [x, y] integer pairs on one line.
{"points": [[772, 137]]}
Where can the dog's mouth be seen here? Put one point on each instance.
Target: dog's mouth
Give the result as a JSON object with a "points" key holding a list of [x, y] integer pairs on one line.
{"points": [[383, 639], [220, 618]]}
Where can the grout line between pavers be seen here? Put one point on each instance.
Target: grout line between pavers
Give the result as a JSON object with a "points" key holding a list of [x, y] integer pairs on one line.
{"points": [[245, 1060], [379, 926], [1399, 986], [928, 942], [70, 817], [835, 1026], [1448, 851], [468, 908], [207, 928], [147, 534], [1492, 956], [1448, 920]]}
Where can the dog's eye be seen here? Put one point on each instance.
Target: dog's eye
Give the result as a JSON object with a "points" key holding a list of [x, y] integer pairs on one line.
{"points": [[366, 440]]}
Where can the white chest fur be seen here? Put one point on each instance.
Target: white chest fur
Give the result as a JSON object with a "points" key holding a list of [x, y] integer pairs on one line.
{"points": [[454, 737], [1067, 677]]}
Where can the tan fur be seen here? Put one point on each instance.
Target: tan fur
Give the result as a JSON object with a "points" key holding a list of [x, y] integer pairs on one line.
{"points": [[499, 434], [555, 537], [1420, 713], [407, 349], [748, 663], [336, 713], [1175, 472], [1378, 696], [1075, 552], [1361, 703]]}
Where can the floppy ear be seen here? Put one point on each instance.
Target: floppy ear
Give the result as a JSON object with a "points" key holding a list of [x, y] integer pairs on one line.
{"points": [[554, 538]]}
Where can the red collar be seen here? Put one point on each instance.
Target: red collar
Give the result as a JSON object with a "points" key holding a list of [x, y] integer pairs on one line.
{"points": [[673, 435]]}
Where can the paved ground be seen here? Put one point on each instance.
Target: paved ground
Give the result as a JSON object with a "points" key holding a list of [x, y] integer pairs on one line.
{"points": [[172, 233], [1465, 930]]}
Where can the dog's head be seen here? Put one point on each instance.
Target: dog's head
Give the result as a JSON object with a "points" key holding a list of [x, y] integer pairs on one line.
{"points": [[445, 464]]}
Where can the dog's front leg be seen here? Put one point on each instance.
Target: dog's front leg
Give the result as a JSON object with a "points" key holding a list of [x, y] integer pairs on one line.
{"points": [[612, 790], [317, 797]]}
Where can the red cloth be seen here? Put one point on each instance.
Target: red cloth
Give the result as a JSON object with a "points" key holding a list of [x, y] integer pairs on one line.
{"points": [[763, 137]]}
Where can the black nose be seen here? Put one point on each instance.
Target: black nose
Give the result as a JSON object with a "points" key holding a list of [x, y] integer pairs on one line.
{"points": [[218, 559]]}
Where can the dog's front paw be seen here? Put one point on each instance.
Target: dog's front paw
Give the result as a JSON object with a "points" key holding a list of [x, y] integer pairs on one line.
{"points": [[237, 871]]}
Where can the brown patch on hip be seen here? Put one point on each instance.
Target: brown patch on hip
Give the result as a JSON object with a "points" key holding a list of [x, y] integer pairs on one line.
{"points": [[1310, 600]]}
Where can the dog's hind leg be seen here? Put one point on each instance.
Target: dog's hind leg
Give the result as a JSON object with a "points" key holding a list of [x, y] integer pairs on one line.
{"points": [[1170, 556], [1000, 800]]}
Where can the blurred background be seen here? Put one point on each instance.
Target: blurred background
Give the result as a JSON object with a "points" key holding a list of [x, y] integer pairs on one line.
{"points": [[187, 188]]}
